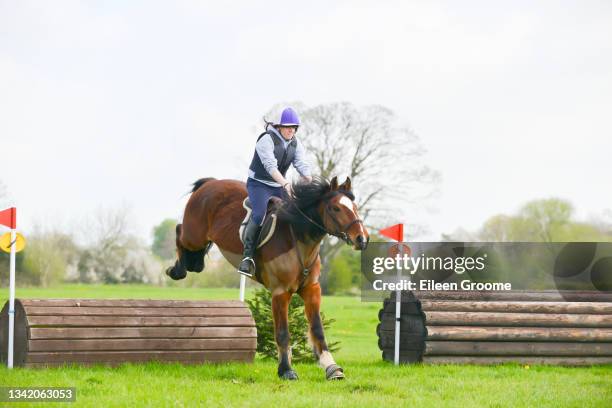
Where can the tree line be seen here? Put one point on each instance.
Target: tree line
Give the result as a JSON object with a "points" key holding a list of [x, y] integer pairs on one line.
{"points": [[363, 143]]}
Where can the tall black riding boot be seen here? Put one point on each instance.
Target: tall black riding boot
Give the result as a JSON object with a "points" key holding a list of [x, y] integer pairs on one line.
{"points": [[251, 233]]}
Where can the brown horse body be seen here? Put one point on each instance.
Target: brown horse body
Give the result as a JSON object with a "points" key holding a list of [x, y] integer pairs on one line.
{"points": [[213, 215]]}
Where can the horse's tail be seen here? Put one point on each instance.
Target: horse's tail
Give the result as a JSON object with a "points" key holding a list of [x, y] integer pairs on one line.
{"points": [[199, 183]]}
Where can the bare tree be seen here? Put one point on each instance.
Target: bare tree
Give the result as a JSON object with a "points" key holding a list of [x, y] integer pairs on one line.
{"points": [[382, 159], [113, 254]]}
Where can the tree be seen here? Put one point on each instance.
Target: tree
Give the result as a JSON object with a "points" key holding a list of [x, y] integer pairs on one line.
{"points": [[504, 228], [345, 271], [381, 158], [164, 239], [44, 263], [113, 254], [546, 220]]}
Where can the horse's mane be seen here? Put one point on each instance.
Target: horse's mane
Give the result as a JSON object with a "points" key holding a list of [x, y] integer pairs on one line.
{"points": [[306, 197]]}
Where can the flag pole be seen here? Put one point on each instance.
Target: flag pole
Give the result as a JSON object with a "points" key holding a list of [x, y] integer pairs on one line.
{"points": [[11, 311], [398, 299], [242, 287]]}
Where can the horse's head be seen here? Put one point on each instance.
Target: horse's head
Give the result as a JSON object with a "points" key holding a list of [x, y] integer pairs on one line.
{"points": [[338, 212]]}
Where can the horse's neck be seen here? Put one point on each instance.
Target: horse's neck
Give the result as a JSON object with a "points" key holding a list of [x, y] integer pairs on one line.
{"points": [[310, 246]]}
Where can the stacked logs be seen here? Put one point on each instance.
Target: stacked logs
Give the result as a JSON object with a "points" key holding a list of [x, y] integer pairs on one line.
{"points": [[442, 327], [52, 332]]}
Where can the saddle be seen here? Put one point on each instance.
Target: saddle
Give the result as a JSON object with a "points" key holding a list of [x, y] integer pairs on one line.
{"points": [[269, 223]]}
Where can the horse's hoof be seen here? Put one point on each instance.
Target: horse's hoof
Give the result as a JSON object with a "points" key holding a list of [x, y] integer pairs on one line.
{"points": [[289, 375], [334, 372], [174, 274]]}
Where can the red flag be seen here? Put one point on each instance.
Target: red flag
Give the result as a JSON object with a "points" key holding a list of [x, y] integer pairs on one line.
{"points": [[395, 232], [8, 217]]}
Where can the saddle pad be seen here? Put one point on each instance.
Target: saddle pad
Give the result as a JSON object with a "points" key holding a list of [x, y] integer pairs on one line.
{"points": [[267, 230]]}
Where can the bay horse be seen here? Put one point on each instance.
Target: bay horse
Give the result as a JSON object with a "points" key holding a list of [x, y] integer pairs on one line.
{"points": [[288, 263]]}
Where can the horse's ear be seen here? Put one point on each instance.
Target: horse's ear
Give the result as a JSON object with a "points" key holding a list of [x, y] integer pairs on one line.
{"points": [[346, 186], [333, 184]]}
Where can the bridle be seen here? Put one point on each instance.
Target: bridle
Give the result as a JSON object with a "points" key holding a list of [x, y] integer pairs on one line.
{"points": [[342, 231], [341, 234]]}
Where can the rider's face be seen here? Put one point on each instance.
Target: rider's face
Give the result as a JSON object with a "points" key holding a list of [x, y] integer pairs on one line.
{"points": [[287, 132]]}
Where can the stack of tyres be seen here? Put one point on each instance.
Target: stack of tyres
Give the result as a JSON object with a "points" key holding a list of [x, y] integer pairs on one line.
{"points": [[412, 329]]}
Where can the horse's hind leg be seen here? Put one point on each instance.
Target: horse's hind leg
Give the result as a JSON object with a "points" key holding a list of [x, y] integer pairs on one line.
{"points": [[194, 260], [280, 310], [312, 303], [178, 271], [186, 260]]}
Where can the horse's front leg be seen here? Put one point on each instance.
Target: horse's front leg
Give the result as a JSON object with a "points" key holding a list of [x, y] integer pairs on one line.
{"points": [[312, 303], [280, 310]]}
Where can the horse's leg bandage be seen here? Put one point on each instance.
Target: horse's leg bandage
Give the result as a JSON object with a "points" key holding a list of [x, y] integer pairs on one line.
{"points": [[326, 359]]}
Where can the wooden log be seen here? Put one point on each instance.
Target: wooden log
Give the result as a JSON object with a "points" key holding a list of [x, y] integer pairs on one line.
{"points": [[510, 348], [137, 356], [517, 307], [518, 334], [516, 319], [567, 361], [221, 360], [130, 303], [81, 331], [142, 344], [517, 295], [140, 332], [549, 327], [119, 312], [112, 321]]}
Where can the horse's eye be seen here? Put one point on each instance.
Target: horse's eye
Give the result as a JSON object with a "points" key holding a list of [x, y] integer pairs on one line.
{"points": [[336, 209]]}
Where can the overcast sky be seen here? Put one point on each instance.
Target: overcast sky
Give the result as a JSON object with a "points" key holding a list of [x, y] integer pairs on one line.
{"points": [[125, 103]]}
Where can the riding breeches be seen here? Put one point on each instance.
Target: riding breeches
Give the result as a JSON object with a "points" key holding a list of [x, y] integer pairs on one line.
{"points": [[259, 194]]}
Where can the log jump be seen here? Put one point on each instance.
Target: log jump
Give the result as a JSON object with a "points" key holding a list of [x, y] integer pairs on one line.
{"points": [[52, 332], [564, 328]]}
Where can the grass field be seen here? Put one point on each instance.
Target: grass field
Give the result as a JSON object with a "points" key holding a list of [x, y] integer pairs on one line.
{"points": [[370, 381]]}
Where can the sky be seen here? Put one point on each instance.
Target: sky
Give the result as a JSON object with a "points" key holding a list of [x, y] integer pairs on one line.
{"points": [[123, 104]]}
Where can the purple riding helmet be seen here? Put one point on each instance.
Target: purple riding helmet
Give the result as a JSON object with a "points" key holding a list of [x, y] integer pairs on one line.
{"points": [[289, 117]]}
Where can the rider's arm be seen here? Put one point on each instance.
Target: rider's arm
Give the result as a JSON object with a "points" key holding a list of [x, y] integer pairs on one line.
{"points": [[300, 163], [278, 177]]}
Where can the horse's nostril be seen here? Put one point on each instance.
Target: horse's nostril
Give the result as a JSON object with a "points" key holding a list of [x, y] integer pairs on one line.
{"points": [[361, 242]]}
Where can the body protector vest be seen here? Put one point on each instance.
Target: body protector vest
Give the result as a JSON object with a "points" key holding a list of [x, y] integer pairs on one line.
{"points": [[284, 158]]}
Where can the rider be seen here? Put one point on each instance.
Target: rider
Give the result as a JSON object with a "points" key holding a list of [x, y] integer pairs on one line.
{"points": [[275, 150]]}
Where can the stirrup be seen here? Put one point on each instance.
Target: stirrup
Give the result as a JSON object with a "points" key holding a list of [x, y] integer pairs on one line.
{"points": [[247, 273]]}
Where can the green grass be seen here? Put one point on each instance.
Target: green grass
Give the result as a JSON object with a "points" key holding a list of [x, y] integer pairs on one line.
{"points": [[370, 381]]}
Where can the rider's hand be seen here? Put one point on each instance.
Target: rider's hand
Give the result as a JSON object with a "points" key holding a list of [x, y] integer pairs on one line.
{"points": [[287, 187]]}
